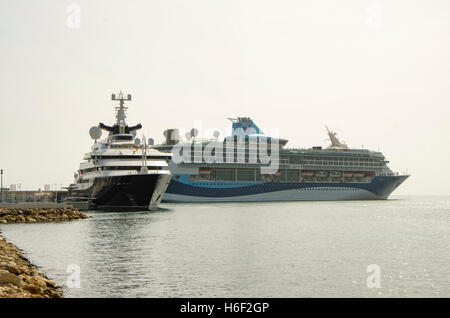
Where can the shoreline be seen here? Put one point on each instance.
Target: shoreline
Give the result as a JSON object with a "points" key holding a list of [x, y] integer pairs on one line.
{"points": [[19, 278]]}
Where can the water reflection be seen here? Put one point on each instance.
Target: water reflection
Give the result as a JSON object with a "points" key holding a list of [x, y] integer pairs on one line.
{"points": [[296, 249]]}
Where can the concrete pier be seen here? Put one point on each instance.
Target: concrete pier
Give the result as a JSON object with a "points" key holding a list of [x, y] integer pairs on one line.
{"points": [[33, 205]]}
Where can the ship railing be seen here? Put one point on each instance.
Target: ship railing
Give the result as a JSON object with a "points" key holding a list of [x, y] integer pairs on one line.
{"points": [[389, 174]]}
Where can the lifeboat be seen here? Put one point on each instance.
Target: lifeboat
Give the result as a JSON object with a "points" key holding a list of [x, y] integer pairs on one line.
{"points": [[321, 174], [335, 173]]}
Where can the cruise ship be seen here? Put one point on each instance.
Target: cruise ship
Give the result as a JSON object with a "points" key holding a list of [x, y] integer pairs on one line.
{"points": [[120, 172], [333, 173]]}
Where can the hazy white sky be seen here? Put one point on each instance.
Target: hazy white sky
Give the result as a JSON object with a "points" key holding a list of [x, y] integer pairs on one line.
{"points": [[377, 72]]}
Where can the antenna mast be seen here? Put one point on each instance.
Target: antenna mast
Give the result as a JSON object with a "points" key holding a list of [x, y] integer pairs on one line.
{"points": [[121, 110]]}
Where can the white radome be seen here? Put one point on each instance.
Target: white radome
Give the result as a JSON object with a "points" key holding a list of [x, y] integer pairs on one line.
{"points": [[95, 132], [194, 132]]}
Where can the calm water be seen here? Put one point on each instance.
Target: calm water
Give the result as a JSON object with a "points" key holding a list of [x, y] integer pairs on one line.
{"points": [[299, 249]]}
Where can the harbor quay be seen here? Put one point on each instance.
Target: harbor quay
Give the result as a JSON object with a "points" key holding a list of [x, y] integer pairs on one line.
{"points": [[32, 196]]}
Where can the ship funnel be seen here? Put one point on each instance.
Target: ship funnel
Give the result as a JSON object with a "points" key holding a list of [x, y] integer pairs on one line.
{"points": [[245, 125], [172, 136]]}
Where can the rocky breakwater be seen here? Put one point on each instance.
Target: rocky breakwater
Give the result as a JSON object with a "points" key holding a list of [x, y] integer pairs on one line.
{"points": [[21, 279], [27, 215], [18, 277]]}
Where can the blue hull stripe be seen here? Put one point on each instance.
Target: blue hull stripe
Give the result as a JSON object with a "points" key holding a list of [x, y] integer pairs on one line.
{"points": [[381, 185]]}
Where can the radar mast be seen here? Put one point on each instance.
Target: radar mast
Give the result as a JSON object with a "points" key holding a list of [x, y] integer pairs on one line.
{"points": [[121, 110], [120, 126]]}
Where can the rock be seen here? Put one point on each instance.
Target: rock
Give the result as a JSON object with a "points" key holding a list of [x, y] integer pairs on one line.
{"points": [[53, 293], [34, 215], [3, 271], [33, 289], [8, 278], [30, 219], [37, 281], [10, 267], [40, 218], [48, 283], [7, 259], [23, 270]]}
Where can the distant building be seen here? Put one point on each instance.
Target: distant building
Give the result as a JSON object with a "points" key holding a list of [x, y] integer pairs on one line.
{"points": [[12, 187]]}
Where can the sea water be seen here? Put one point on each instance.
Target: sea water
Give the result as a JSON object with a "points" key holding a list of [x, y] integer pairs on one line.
{"points": [[393, 248]]}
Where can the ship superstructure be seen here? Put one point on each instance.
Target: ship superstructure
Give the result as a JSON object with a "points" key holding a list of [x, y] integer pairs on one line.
{"points": [[334, 173], [121, 172]]}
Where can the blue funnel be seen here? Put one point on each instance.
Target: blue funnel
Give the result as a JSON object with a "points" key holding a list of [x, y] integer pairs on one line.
{"points": [[246, 124]]}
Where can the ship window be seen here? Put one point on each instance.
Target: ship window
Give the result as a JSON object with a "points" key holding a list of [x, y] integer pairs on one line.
{"points": [[225, 174], [245, 175], [293, 175], [135, 157], [129, 168], [125, 137]]}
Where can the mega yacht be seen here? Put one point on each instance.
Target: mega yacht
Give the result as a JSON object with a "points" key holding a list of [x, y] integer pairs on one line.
{"points": [[333, 173], [120, 172]]}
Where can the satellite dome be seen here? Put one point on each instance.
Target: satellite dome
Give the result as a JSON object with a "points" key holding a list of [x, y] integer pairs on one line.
{"points": [[194, 132], [137, 141], [151, 142], [95, 132], [216, 134]]}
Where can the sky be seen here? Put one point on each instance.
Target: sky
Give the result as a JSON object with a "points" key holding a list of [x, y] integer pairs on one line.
{"points": [[375, 71]]}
